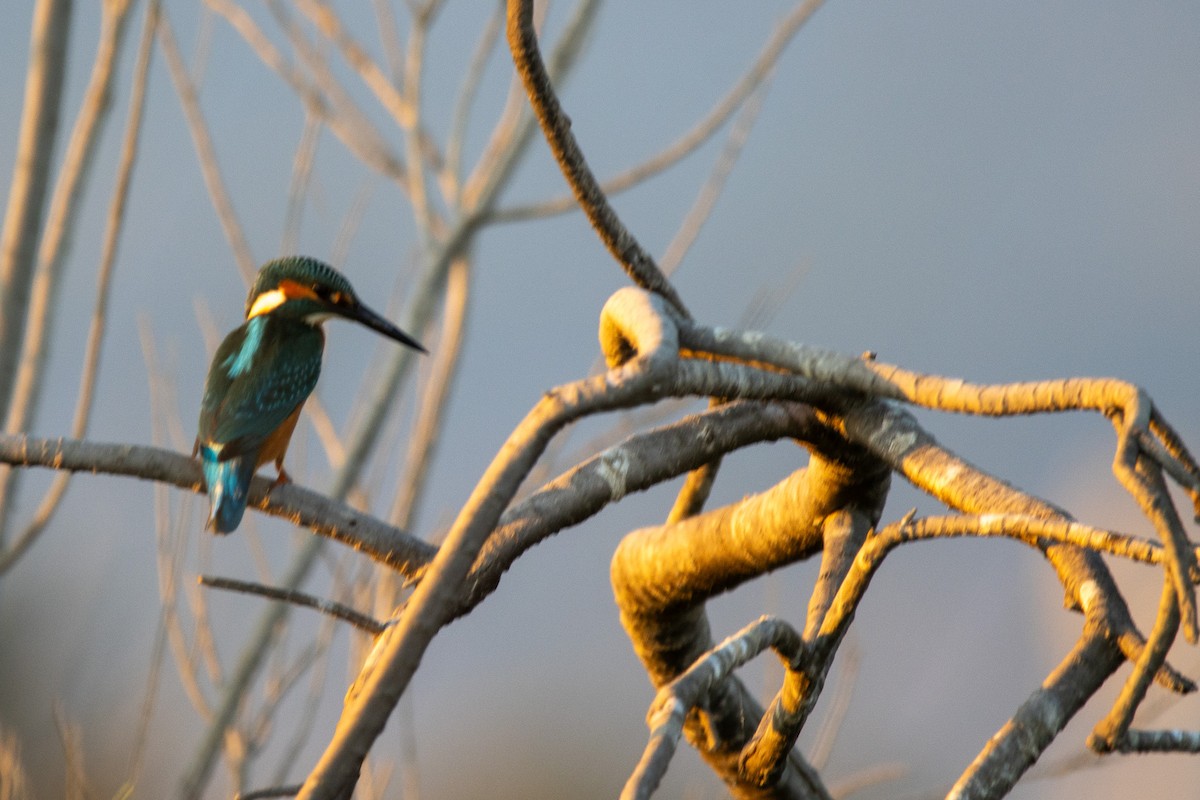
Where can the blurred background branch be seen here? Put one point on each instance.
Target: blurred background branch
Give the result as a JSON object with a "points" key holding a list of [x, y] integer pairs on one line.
{"points": [[391, 139]]}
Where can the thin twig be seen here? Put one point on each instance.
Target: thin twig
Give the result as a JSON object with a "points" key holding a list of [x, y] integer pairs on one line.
{"points": [[701, 132], [296, 598], [274, 791], [302, 169], [345, 118], [171, 548], [325, 18], [706, 198], [464, 102], [205, 151], [427, 428], [675, 701], [389, 36]]}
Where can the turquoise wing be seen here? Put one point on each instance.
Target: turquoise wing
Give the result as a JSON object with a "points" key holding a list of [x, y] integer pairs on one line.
{"points": [[260, 374]]}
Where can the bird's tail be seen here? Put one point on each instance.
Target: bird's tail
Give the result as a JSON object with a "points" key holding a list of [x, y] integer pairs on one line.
{"points": [[228, 485]]}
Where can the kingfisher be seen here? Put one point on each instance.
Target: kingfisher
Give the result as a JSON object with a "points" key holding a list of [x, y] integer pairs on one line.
{"points": [[263, 372]]}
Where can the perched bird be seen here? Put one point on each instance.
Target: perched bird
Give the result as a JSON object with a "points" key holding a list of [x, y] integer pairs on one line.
{"points": [[264, 371]]}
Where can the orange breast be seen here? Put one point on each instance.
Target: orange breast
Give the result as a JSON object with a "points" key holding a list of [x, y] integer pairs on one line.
{"points": [[277, 443]]}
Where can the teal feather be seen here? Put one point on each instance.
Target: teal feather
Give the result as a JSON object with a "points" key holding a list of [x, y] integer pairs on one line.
{"points": [[263, 371]]}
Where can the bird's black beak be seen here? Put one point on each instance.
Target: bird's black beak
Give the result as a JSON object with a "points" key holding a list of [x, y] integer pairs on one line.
{"points": [[360, 313]]}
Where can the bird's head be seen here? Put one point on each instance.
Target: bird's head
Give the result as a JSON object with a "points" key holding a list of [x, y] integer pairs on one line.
{"points": [[306, 289]]}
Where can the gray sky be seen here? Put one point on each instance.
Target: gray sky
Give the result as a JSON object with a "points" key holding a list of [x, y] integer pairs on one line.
{"points": [[992, 191]]}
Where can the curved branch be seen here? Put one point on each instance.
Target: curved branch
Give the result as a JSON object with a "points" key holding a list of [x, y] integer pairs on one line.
{"points": [[701, 132], [1126, 405], [675, 701], [636, 464], [637, 263]]}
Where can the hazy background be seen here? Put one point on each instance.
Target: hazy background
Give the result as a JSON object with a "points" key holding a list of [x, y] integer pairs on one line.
{"points": [[992, 191]]}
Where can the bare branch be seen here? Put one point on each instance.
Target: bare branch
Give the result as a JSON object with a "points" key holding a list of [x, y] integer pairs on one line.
{"points": [[764, 757], [701, 132], [641, 461], [345, 119], [302, 167], [1017, 745], [686, 693], [274, 791], [706, 199], [1127, 405], [31, 174], [427, 428], [330, 607], [78, 162], [325, 18], [15, 783], [114, 225], [205, 151], [636, 262], [462, 106], [301, 506]]}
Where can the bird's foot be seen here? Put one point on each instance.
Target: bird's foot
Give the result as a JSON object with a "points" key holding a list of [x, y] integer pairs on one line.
{"points": [[281, 479]]}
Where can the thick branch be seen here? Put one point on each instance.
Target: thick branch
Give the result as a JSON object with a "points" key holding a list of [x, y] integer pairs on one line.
{"points": [[1019, 743], [662, 576]]}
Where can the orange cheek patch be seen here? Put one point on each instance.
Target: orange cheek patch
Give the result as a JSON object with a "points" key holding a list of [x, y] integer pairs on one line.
{"points": [[295, 291], [287, 290]]}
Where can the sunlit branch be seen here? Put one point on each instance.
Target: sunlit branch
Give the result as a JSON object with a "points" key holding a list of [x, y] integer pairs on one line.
{"points": [[1128, 406], [636, 262], [677, 699]]}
